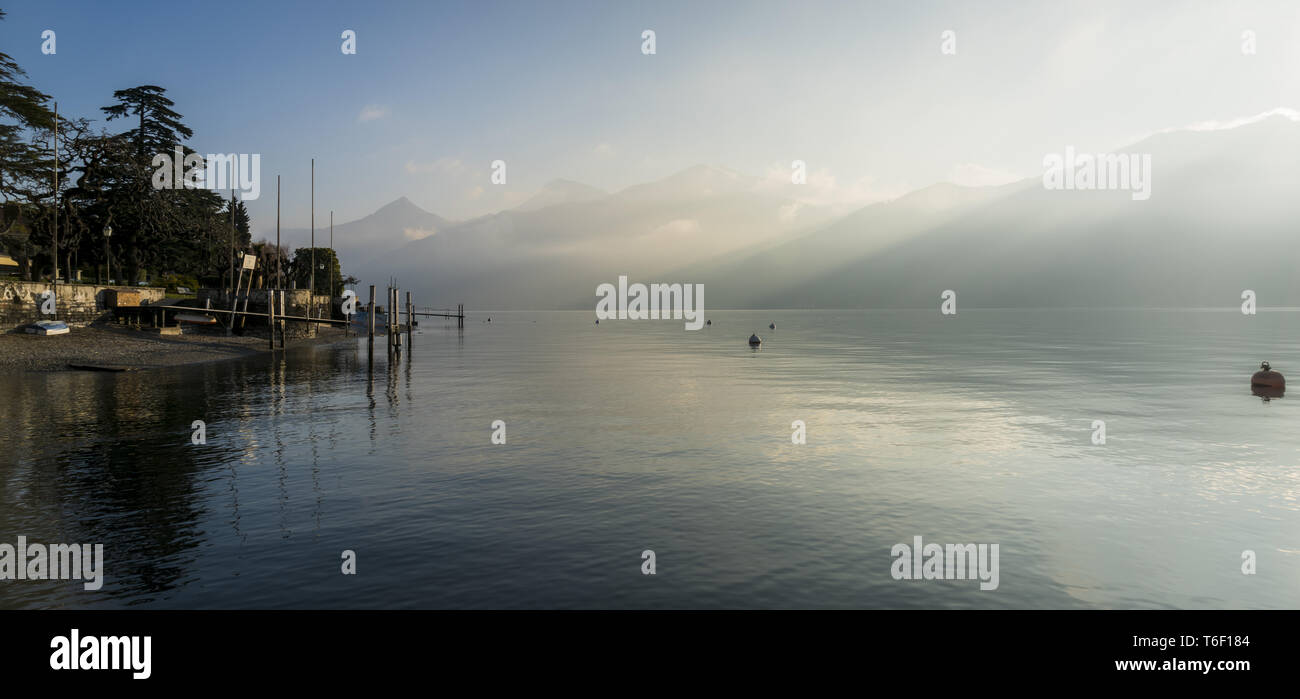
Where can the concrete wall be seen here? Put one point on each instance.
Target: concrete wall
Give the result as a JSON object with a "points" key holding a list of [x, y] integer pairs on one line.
{"points": [[76, 304]]}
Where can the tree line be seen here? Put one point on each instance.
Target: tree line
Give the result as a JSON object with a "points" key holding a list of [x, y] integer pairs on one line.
{"points": [[103, 181]]}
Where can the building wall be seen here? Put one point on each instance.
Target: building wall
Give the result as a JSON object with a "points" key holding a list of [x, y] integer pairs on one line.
{"points": [[76, 304]]}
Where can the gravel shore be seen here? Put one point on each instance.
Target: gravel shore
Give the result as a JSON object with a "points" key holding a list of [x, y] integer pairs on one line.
{"points": [[110, 345]]}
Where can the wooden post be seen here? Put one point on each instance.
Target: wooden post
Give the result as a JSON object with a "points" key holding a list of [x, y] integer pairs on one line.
{"points": [[370, 317], [270, 316], [247, 293], [410, 317]]}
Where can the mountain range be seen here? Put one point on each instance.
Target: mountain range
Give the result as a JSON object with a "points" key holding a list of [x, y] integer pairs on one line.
{"points": [[1220, 219]]}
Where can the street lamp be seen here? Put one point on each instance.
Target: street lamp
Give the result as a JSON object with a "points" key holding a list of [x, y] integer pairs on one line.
{"points": [[108, 261]]}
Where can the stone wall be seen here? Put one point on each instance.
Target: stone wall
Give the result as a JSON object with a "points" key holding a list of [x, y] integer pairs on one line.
{"points": [[75, 304]]}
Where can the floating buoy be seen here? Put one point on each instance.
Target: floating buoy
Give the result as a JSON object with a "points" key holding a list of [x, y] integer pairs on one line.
{"points": [[755, 341], [598, 321], [1267, 378], [1267, 392], [707, 322], [772, 326]]}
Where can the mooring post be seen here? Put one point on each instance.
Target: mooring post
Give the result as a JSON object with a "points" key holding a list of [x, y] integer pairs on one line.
{"points": [[395, 319], [370, 317], [270, 316], [410, 317], [388, 328], [283, 326]]}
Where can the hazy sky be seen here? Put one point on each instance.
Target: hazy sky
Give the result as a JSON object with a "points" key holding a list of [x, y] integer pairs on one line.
{"points": [[858, 90]]}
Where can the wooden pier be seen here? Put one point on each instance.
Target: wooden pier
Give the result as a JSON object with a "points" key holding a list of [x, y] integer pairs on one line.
{"points": [[276, 319]]}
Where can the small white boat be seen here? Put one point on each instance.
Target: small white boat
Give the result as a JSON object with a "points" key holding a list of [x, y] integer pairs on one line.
{"points": [[48, 327]]}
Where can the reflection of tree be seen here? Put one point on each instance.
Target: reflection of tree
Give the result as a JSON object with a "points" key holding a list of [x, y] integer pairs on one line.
{"points": [[110, 462], [108, 459]]}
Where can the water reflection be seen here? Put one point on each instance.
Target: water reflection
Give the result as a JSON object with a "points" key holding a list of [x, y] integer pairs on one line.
{"points": [[625, 436]]}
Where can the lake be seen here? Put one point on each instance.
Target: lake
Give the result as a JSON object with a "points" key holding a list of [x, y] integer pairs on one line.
{"points": [[639, 435]]}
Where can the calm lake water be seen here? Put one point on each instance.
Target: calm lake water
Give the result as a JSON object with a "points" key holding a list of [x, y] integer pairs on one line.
{"points": [[634, 435]]}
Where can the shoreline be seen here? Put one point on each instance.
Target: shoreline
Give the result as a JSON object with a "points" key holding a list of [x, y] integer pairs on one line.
{"points": [[107, 345]]}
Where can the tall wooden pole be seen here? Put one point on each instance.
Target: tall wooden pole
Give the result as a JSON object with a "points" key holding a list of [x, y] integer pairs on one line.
{"points": [[370, 317], [311, 299], [279, 280], [231, 253], [335, 256], [56, 201], [270, 316]]}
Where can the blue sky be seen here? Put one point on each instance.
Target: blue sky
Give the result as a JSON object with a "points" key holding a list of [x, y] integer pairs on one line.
{"points": [[858, 90]]}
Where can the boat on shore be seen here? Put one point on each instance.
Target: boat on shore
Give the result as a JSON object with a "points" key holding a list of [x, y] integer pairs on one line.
{"points": [[196, 318], [361, 320], [48, 327]]}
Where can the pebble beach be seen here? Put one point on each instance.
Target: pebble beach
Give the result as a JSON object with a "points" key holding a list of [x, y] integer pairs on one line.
{"points": [[115, 346]]}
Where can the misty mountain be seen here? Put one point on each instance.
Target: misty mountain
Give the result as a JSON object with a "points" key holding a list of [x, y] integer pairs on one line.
{"points": [[1219, 220], [561, 192], [553, 251], [367, 241]]}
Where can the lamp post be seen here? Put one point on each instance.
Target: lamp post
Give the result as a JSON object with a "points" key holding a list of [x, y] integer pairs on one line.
{"points": [[108, 261]]}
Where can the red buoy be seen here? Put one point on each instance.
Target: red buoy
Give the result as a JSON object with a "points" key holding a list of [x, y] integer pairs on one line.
{"points": [[1267, 378]]}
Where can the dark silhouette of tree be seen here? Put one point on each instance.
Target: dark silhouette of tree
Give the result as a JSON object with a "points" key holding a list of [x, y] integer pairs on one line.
{"points": [[160, 127], [325, 261], [22, 108], [163, 225], [107, 179]]}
